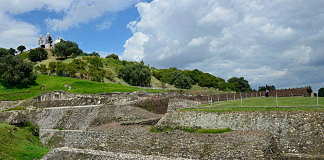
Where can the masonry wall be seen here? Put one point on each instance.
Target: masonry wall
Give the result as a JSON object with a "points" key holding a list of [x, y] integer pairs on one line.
{"points": [[295, 132]]}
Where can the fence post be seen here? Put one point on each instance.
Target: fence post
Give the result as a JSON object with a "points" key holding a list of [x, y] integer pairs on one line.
{"points": [[241, 99], [317, 99], [277, 99], [234, 96]]}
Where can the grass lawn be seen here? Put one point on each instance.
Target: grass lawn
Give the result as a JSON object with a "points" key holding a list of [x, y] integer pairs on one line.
{"points": [[264, 104], [19, 144], [53, 83]]}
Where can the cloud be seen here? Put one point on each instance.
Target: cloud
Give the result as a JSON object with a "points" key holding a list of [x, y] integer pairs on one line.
{"points": [[104, 26], [81, 11], [16, 32], [277, 42]]}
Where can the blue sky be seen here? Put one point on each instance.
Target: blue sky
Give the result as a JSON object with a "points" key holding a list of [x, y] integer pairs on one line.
{"points": [[89, 36], [227, 38]]}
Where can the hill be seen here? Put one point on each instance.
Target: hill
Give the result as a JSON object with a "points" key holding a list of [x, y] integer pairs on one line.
{"points": [[47, 83]]}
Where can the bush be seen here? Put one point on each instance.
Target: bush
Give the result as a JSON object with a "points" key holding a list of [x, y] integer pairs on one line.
{"points": [[239, 84], [321, 92], [64, 49], [182, 81], [136, 75], [37, 54], [41, 69], [14, 72], [113, 56], [7, 52], [21, 48]]}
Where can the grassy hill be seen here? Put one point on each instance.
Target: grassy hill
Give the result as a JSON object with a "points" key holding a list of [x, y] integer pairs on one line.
{"points": [[19, 143], [51, 83]]}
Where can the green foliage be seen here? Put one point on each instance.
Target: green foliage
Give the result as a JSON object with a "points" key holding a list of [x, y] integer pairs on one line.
{"points": [[41, 69], [182, 81], [189, 129], [267, 87], [20, 143], [7, 52], [37, 54], [54, 83], [65, 49], [239, 84], [14, 72], [321, 92], [21, 48], [195, 77], [113, 56], [136, 75]]}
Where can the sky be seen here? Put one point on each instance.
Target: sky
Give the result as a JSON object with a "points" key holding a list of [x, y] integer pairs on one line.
{"points": [[278, 42]]}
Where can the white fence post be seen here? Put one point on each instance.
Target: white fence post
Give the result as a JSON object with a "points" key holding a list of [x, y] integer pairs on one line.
{"points": [[241, 99], [277, 99], [317, 99]]}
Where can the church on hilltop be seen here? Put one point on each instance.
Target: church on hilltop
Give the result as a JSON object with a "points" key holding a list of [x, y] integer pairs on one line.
{"points": [[47, 41]]}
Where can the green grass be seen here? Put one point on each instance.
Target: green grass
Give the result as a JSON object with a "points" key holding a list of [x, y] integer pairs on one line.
{"points": [[53, 83], [18, 108], [264, 104], [189, 129], [19, 143]]}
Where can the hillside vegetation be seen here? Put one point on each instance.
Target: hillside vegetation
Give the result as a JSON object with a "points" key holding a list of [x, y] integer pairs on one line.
{"points": [[20, 143], [66, 67], [45, 83]]}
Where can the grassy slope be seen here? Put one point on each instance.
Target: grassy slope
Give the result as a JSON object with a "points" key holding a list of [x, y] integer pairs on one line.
{"points": [[51, 83], [265, 104], [19, 144]]}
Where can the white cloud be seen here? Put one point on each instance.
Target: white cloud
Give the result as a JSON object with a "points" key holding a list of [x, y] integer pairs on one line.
{"points": [[104, 26], [277, 41], [81, 11]]}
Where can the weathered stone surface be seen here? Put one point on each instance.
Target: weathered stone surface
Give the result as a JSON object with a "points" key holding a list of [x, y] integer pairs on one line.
{"points": [[138, 140], [66, 153], [77, 117], [296, 132]]}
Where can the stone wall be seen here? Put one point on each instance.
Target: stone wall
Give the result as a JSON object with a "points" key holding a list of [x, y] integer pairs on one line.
{"points": [[175, 144], [295, 132], [66, 153], [77, 117]]}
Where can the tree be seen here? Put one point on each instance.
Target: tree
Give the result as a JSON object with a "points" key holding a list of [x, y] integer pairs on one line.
{"points": [[267, 87], [21, 48], [321, 92], [5, 52], [64, 49], [113, 56], [182, 81], [136, 75], [37, 54], [14, 72], [52, 67], [239, 84], [12, 51]]}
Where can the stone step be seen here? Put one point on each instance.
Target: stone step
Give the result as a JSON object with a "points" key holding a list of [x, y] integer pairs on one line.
{"points": [[175, 144], [294, 156], [66, 153]]}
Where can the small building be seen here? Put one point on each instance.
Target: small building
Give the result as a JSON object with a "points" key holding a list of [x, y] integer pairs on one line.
{"points": [[47, 41]]}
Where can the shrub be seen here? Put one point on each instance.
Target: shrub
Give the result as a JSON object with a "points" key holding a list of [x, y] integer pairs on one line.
{"points": [[64, 49], [14, 72], [42, 69], [37, 54], [182, 81], [321, 92], [113, 56], [136, 75]]}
